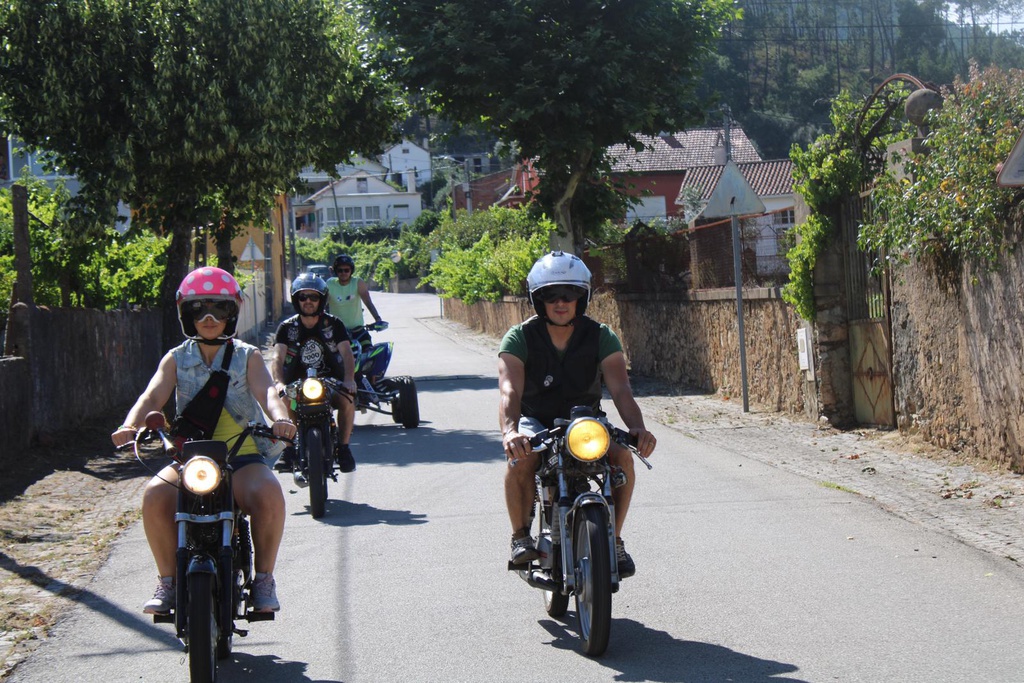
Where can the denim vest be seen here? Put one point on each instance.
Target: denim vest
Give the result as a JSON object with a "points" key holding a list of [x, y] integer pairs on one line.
{"points": [[240, 403]]}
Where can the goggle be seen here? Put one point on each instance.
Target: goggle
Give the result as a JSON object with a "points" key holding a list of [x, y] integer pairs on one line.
{"points": [[556, 293], [220, 309], [308, 296]]}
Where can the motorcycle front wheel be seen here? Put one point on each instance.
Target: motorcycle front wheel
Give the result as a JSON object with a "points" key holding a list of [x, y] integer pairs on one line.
{"points": [[202, 629], [593, 579], [316, 472]]}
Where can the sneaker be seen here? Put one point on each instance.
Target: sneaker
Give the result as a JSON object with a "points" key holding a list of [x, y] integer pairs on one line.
{"points": [[300, 479], [523, 550], [162, 601], [346, 463], [264, 593], [626, 565]]}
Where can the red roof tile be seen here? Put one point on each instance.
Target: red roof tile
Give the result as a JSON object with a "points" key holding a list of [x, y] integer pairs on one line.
{"points": [[682, 150], [766, 178]]}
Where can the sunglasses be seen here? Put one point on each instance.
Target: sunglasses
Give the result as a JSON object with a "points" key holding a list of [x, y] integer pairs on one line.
{"points": [[302, 296], [557, 293], [219, 309], [343, 270]]}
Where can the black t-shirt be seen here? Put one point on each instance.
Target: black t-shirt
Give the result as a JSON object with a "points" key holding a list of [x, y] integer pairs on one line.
{"points": [[312, 347]]}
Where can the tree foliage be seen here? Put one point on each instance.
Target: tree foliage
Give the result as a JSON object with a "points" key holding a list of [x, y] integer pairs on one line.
{"points": [[111, 270], [947, 207], [832, 170], [486, 255], [194, 112], [780, 65], [563, 81]]}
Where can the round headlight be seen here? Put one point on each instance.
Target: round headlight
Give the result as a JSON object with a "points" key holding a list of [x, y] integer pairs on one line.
{"points": [[201, 475], [587, 439], [313, 389]]}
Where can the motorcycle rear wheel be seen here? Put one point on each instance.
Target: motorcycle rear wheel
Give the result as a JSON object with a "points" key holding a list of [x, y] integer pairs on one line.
{"points": [[316, 472], [202, 629], [593, 579]]}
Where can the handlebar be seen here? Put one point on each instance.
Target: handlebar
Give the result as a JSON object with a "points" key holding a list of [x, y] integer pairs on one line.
{"points": [[620, 436]]}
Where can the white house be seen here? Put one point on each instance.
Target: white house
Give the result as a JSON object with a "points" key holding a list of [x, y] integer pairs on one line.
{"points": [[358, 199], [406, 157]]}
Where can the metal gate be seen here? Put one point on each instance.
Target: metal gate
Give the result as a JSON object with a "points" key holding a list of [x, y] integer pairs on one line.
{"points": [[867, 293]]}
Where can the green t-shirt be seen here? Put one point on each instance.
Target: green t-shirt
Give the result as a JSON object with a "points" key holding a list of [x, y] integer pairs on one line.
{"points": [[343, 302], [514, 342]]}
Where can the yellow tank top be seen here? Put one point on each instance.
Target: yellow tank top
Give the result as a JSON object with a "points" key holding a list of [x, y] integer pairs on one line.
{"points": [[228, 430]]}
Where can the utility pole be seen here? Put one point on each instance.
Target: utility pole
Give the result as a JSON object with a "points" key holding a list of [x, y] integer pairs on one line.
{"points": [[737, 266], [22, 255]]}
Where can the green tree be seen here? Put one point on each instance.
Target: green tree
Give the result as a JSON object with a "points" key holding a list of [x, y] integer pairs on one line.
{"points": [[195, 113], [108, 270], [562, 81]]}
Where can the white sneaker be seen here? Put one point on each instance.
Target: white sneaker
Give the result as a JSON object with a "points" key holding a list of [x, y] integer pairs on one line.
{"points": [[162, 601]]}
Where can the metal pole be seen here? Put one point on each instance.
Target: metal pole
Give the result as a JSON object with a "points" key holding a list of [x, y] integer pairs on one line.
{"points": [[737, 265]]}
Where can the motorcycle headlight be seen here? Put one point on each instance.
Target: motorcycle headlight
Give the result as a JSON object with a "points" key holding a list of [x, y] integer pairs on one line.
{"points": [[587, 439], [313, 390], [200, 475]]}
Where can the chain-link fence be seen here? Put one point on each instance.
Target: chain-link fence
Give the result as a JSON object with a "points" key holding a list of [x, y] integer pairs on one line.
{"points": [[648, 261]]}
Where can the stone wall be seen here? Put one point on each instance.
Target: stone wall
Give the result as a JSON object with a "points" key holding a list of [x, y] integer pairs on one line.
{"points": [[80, 364], [692, 341], [958, 359]]}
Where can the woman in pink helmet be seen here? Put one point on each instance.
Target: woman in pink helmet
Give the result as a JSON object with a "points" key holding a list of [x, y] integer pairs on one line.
{"points": [[208, 301]]}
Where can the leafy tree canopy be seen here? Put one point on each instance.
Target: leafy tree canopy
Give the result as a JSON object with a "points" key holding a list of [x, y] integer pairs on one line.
{"points": [[191, 111], [563, 81]]}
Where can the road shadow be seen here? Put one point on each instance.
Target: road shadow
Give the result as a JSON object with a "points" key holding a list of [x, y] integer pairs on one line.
{"points": [[443, 383], [244, 668], [639, 653], [344, 513], [393, 445]]}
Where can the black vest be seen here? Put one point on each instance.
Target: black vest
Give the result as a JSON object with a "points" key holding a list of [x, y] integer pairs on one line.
{"points": [[554, 385]]}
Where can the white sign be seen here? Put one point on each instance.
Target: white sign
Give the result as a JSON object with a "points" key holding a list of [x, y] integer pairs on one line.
{"points": [[733, 196], [1012, 172]]}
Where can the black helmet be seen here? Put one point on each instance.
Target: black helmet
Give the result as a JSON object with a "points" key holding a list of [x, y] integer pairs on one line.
{"points": [[556, 274], [344, 260], [307, 282]]}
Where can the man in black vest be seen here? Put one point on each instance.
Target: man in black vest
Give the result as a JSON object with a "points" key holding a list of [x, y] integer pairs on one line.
{"points": [[547, 365], [313, 339]]}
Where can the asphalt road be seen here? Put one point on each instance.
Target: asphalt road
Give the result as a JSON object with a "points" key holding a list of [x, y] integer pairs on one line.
{"points": [[746, 572]]}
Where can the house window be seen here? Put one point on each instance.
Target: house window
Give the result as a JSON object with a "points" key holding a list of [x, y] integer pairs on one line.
{"points": [[373, 213], [405, 150], [332, 215], [784, 217], [362, 185], [353, 214], [402, 211]]}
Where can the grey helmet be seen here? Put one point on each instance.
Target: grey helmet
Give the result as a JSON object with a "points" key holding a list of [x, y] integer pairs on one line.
{"points": [[559, 272], [307, 282]]}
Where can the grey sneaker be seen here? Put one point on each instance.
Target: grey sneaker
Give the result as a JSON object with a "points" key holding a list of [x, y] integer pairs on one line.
{"points": [[523, 550], [162, 601], [264, 593], [626, 565]]}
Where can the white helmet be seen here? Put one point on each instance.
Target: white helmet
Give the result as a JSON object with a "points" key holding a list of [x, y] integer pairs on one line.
{"points": [[557, 274]]}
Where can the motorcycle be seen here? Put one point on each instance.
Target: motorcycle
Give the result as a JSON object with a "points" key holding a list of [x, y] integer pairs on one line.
{"points": [[374, 391], [312, 401], [576, 514], [215, 555]]}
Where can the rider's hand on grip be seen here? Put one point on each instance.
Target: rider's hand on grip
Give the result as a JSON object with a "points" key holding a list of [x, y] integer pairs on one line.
{"points": [[379, 326]]}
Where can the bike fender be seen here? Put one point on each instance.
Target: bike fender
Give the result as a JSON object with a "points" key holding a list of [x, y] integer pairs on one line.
{"points": [[202, 564]]}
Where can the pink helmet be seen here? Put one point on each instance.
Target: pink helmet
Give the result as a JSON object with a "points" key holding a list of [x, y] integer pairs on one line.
{"points": [[208, 291]]}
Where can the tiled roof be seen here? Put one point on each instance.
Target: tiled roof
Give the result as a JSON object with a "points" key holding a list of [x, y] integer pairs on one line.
{"points": [[766, 178], [682, 150]]}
